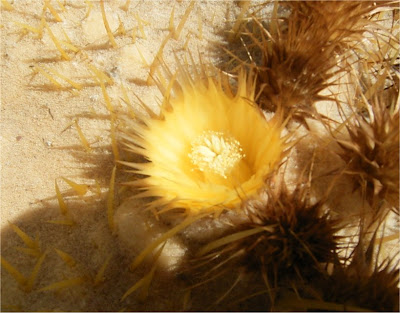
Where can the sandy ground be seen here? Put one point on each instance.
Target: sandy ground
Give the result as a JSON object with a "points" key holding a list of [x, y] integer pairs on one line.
{"points": [[40, 143]]}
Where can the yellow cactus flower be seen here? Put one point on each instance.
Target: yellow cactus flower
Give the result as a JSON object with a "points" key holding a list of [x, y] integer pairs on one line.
{"points": [[207, 149]]}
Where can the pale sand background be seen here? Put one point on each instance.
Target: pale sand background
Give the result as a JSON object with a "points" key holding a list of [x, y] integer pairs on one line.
{"points": [[38, 144]]}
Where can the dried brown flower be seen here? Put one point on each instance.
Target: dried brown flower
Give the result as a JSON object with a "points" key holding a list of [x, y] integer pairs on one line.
{"points": [[372, 150], [298, 56], [362, 282], [286, 240]]}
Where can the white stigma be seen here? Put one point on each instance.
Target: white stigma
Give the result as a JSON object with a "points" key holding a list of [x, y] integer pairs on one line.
{"points": [[216, 153]]}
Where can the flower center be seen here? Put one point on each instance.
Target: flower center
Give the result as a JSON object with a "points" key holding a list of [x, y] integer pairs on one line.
{"points": [[216, 153]]}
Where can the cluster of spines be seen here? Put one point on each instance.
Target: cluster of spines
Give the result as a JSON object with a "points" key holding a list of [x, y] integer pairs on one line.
{"points": [[294, 59], [371, 150], [290, 79], [297, 56], [287, 239], [360, 279]]}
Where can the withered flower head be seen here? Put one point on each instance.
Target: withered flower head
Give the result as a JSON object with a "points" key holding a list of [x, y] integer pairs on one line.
{"points": [[287, 237], [298, 56], [372, 150], [361, 282], [208, 148]]}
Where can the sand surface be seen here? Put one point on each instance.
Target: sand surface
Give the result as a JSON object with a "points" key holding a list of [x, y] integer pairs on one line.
{"points": [[40, 141]]}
